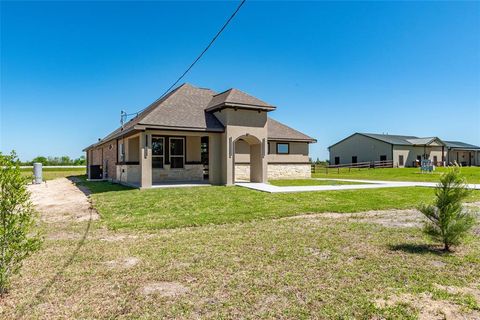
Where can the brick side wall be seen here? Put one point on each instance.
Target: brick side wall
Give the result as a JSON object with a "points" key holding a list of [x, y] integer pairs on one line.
{"points": [[108, 153]]}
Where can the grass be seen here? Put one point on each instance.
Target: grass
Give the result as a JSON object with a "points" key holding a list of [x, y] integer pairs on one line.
{"points": [[290, 268], [308, 182], [186, 207], [472, 174], [240, 262], [54, 173]]}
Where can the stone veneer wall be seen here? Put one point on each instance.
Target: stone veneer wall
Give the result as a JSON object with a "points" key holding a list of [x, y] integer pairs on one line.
{"points": [[191, 172], [276, 171]]}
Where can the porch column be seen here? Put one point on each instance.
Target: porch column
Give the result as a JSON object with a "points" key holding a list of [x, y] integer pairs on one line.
{"points": [[145, 160], [215, 158]]}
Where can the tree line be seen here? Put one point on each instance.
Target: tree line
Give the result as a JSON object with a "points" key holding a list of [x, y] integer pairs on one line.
{"points": [[56, 161]]}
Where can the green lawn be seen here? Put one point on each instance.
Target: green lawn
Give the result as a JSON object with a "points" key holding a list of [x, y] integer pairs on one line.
{"points": [[301, 268], [472, 174], [227, 256], [183, 207], [54, 173], [308, 182]]}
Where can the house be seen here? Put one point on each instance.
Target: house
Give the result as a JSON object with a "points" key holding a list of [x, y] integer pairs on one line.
{"points": [[403, 151], [196, 134]]}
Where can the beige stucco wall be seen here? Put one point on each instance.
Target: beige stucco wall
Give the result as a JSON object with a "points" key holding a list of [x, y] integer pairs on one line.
{"points": [[365, 148], [251, 126], [192, 147], [298, 153], [133, 149]]}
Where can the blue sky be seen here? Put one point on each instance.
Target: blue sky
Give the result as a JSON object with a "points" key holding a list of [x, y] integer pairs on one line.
{"points": [[332, 68]]}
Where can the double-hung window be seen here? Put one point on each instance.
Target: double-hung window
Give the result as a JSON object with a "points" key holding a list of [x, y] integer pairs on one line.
{"points": [[158, 152], [177, 153]]}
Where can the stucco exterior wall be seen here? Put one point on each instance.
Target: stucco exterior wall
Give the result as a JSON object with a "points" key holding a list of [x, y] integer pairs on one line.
{"points": [[192, 148], [298, 152], [364, 148]]}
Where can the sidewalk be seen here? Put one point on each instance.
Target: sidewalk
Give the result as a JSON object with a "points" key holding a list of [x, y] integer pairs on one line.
{"points": [[369, 184]]}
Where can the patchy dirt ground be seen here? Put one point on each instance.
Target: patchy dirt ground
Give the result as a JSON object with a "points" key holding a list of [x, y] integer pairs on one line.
{"points": [[431, 309], [389, 218], [60, 200]]}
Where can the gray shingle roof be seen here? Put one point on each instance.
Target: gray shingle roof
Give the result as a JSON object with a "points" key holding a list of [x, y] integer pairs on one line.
{"points": [[235, 97], [279, 131], [187, 107]]}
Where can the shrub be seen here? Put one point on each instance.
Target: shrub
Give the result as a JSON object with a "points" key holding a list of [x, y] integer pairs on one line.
{"points": [[449, 221], [17, 219]]}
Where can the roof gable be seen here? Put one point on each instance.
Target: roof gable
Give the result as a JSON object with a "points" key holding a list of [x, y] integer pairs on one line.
{"points": [[239, 99]]}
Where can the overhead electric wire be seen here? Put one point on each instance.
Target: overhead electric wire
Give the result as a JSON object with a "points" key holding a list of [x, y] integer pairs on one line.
{"points": [[197, 59]]}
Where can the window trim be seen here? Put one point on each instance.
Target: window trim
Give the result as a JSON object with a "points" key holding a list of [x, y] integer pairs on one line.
{"points": [[288, 147], [159, 156], [170, 156]]}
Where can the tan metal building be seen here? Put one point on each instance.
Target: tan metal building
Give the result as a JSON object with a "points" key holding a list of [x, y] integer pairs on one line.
{"points": [[195, 134], [403, 151]]}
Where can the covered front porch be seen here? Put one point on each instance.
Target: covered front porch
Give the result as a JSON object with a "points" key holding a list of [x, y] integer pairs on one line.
{"points": [[160, 158]]}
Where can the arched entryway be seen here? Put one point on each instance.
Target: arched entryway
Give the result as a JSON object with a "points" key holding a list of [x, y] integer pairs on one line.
{"points": [[248, 159]]}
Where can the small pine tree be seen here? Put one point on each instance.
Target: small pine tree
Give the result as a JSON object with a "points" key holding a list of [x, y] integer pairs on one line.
{"points": [[448, 221], [17, 219]]}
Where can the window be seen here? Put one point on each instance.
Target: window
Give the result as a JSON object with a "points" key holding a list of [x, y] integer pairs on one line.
{"points": [[383, 158], [283, 148], [401, 161], [177, 153], [354, 159], [158, 150], [268, 147], [337, 160]]}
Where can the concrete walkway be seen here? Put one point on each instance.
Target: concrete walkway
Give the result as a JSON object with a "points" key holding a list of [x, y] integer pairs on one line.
{"points": [[369, 184]]}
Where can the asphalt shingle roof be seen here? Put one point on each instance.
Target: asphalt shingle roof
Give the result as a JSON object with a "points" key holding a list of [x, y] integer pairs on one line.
{"points": [[186, 108]]}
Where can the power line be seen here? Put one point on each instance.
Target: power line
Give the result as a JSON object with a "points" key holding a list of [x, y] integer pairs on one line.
{"points": [[196, 60]]}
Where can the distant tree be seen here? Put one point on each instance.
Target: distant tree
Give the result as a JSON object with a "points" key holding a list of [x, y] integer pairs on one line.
{"points": [[449, 221], [17, 218], [40, 159], [65, 160], [80, 161]]}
